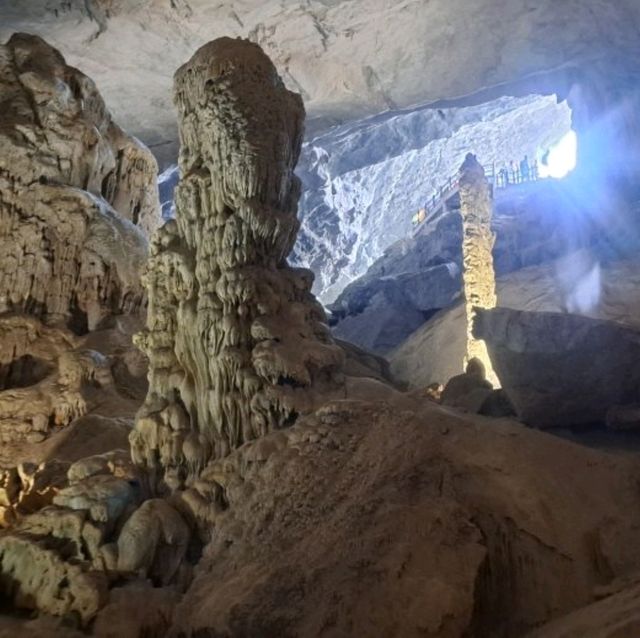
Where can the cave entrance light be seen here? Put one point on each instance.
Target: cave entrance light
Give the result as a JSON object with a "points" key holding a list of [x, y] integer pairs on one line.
{"points": [[560, 159]]}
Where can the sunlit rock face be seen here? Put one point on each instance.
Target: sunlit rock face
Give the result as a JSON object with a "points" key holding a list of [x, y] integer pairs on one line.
{"points": [[236, 342], [364, 182]]}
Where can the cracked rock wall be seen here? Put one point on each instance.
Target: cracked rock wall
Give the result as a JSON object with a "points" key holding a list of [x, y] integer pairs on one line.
{"points": [[77, 195], [236, 342]]}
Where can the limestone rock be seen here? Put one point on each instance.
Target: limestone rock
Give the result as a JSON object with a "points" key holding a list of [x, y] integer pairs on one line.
{"points": [[237, 345], [561, 369], [478, 274], [361, 363], [46, 375], [34, 575], [137, 609], [464, 525], [77, 195], [350, 64], [533, 224], [56, 555], [363, 181], [579, 283], [153, 542], [387, 319]]}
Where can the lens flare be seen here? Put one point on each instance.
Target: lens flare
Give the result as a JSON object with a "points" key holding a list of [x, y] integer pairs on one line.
{"points": [[561, 159]]}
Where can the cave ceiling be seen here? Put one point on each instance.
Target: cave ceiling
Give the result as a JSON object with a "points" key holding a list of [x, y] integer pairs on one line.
{"points": [[348, 58]]}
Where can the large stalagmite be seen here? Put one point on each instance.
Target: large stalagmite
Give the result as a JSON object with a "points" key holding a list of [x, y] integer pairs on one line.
{"points": [[476, 207], [237, 344]]}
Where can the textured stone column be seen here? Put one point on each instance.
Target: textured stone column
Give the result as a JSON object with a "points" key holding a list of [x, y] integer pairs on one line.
{"points": [[237, 344], [476, 207]]}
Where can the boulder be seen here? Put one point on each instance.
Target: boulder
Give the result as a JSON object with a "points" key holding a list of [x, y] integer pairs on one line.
{"points": [[561, 369], [387, 320]]}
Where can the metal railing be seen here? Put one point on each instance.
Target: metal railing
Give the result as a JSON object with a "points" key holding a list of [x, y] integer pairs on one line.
{"points": [[501, 179]]}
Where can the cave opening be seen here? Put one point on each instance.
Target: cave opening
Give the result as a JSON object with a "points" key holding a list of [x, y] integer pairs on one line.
{"points": [[24, 372], [365, 182]]}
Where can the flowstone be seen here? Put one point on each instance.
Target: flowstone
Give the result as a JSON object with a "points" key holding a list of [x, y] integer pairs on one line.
{"points": [[237, 344], [78, 198], [77, 195]]}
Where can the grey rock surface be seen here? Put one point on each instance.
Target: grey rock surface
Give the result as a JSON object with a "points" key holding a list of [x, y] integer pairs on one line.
{"points": [[561, 369]]}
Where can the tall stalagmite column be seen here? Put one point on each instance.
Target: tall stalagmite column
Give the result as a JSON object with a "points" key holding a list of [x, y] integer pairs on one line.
{"points": [[237, 344], [476, 207]]}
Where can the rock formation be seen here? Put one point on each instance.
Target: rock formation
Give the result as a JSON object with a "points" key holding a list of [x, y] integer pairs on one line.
{"points": [[237, 344], [78, 198], [476, 207], [369, 520], [45, 371], [65, 169], [469, 390], [363, 181], [434, 350], [387, 515], [350, 64]]}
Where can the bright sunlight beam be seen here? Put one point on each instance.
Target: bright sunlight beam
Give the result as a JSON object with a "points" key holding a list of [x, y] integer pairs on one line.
{"points": [[561, 159]]}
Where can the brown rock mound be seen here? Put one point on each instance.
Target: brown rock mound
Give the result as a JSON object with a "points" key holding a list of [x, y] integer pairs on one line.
{"points": [[363, 520]]}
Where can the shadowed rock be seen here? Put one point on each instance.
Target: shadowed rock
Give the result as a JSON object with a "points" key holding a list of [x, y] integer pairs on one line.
{"points": [[561, 369]]}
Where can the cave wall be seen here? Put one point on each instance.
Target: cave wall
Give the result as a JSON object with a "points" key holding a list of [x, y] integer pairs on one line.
{"points": [[364, 181], [78, 196]]}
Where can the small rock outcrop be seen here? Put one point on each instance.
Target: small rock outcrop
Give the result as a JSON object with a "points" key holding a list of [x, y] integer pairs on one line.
{"points": [[561, 369], [77, 195], [468, 390], [237, 344], [45, 376]]}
